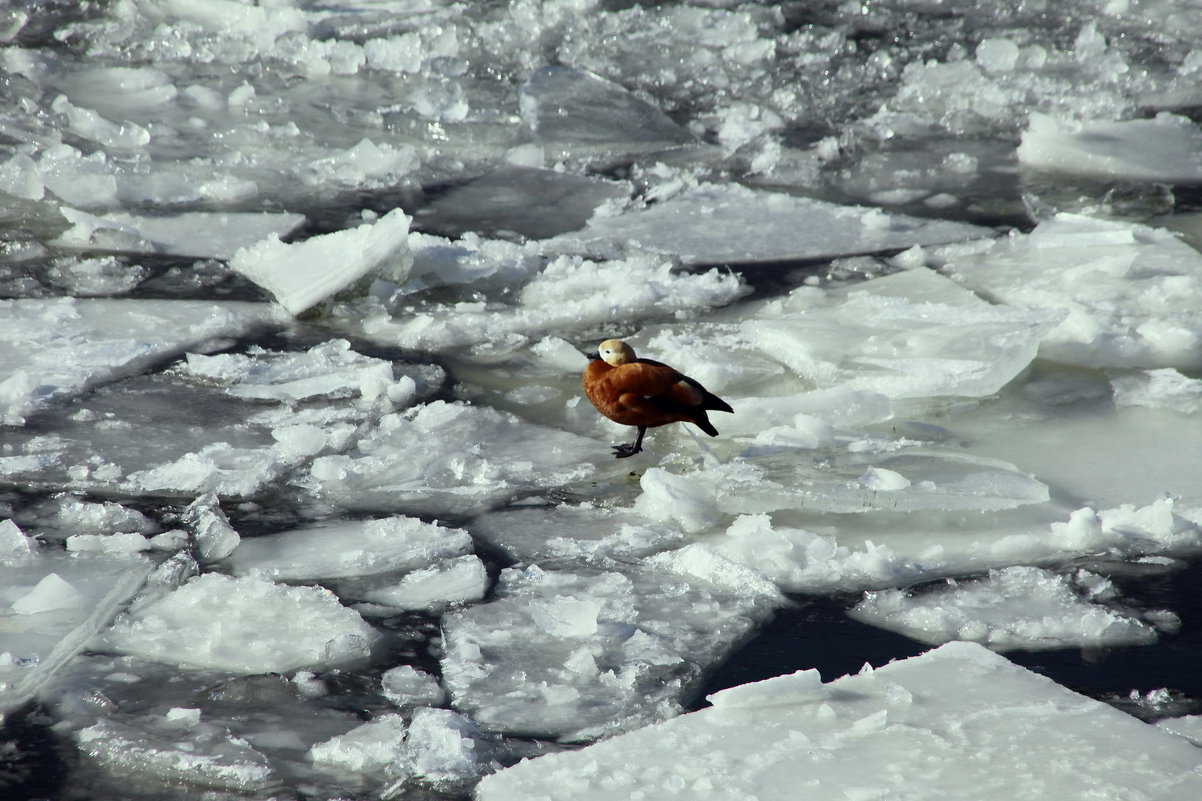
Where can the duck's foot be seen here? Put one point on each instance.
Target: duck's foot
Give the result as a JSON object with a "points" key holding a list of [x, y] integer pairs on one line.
{"points": [[622, 451]]}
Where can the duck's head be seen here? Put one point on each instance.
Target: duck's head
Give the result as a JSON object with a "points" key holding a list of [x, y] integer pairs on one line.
{"points": [[614, 352]]}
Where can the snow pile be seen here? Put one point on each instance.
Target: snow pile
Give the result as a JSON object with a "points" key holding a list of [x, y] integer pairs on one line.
{"points": [[956, 722], [1017, 607], [243, 625]]}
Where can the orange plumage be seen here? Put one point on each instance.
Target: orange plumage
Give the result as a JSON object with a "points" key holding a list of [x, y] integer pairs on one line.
{"points": [[645, 393]]}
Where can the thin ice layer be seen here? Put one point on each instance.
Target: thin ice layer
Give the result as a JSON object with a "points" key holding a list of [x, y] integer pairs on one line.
{"points": [[724, 224], [956, 722], [58, 348]]}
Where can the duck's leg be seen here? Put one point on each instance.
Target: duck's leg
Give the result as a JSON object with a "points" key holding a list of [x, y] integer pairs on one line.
{"points": [[622, 451]]}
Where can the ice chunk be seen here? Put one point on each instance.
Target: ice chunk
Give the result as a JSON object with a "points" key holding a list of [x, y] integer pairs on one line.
{"points": [[405, 685], [369, 748], [200, 234], [454, 581], [1016, 607], [348, 548], [976, 726], [212, 534], [61, 347], [1131, 294], [443, 746], [577, 654], [15, 547], [51, 594], [243, 625], [1161, 389], [303, 274], [449, 456], [730, 224], [804, 686], [1167, 148], [573, 112]]}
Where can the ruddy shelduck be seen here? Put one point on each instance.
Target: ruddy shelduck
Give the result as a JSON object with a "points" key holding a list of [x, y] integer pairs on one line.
{"points": [[645, 393]]}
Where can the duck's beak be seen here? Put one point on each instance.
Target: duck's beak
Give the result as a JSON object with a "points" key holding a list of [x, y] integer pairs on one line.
{"points": [[592, 356]]}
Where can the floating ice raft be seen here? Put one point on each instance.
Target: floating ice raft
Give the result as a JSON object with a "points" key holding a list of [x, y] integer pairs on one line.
{"points": [[956, 722]]}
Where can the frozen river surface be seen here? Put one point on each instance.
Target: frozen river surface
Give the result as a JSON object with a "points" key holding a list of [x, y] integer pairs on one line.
{"points": [[300, 497]]}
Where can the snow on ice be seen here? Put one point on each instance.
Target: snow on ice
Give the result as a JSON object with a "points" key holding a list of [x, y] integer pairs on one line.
{"points": [[298, 492]]}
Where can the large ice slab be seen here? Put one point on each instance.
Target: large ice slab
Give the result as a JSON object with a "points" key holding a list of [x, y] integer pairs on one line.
{"points": [[725, 224], [243, 625], [61, 347], [1131, 293], [1016, 607], [956, 722], [1167, 148], [579, 654]]}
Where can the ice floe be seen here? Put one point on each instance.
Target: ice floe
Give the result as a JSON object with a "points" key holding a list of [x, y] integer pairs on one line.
{"points": [[955, 721]]}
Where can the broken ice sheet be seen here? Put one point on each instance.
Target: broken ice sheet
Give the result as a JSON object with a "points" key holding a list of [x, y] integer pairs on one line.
{"points": [[51, 605], [579, 654], [730, 224], [1131, 294], [230, 424], [1011, 608], [61, 347], [955, 722], [1166, 148], [443, 458]]}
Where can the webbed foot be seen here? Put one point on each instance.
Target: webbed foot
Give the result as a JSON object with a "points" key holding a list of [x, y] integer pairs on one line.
{"points": [[622, 451]]}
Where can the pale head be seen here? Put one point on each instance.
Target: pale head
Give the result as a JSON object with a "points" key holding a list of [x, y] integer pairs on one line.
{"points": [[615, 352]]}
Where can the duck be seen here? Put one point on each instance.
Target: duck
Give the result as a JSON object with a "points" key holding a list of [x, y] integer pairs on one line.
{"points": [[645, 393]]}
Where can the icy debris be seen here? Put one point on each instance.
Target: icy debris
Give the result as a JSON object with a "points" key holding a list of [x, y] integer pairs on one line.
{"points": [[303, 274], [955, 722], [1131, 294], [212, 535], [348, 548], [199, 234], [118, 543], [61, 347], [1128, 529], [177, 748], [243, 625], [801, 687], [612, 651], [444, 747], [1188, 727], [483, 456], [15, 547], [1167, 148], [1158, 389], [51, 606], [730, 224], [1013, 608], [405, 685], [576, 113], [452, 581]]}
